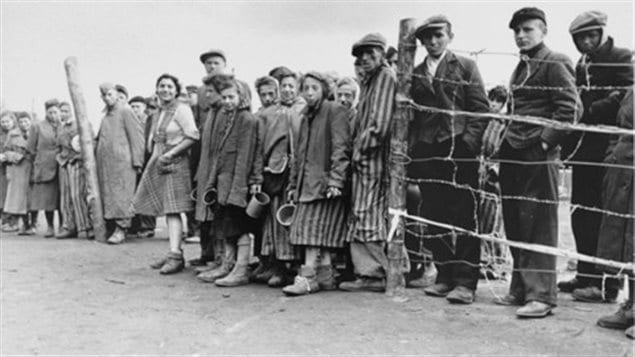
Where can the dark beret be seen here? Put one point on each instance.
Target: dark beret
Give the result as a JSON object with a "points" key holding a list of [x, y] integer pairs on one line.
{"points": [[213, 52], [432, 22], [589, 20], [370, 40], [137, 99], [527, 13]]}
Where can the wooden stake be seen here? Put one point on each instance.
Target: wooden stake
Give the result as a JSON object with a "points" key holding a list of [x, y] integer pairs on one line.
{"points": [[395, 284], [88, 151]]}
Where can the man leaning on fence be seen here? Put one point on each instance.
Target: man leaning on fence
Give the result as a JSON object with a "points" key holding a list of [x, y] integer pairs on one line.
{"points": [[530, 187], [447, 81], [600, 107]]}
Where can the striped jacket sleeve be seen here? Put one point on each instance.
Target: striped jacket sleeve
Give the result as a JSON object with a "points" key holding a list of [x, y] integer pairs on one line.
{"points": [[381, 103]]}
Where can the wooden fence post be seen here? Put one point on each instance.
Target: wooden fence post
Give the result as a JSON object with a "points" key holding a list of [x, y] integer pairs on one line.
{"points": [[88, 151], [395, 284]]}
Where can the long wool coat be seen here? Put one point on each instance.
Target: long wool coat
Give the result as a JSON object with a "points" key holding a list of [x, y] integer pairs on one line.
{"points": [[17, 173], [371, 144], [3, 177], [230, 160], [120, 149], [616, 233], [42, 147]]}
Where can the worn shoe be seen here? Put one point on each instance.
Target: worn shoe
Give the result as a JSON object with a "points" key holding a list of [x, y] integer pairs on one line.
{"points": [[27, 232], [208, 267], [364, 284], [237, 277], [149, 233], [438, 290], [211, 276], [304, 283], [174, 264], [325, 276], [509, 300], [66, 234], [50, 232], [422, 282], [266, 272], [158, 264], [9, 228], [621, 319], [594, 294], [198, 262], [569, 285], [534, 309], [118, 237], [629, 332], [461, 295]]}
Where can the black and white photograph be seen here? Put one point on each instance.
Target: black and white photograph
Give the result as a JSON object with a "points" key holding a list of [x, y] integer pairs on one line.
{"points": [[317, 178]]}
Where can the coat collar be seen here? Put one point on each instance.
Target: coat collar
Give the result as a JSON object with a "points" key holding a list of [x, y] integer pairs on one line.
{"points": [[533, 59]]}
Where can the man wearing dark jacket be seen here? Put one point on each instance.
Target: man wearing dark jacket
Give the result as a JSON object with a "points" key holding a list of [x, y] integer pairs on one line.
{"points": [[529, 220], [600, 107], [447, 81]]}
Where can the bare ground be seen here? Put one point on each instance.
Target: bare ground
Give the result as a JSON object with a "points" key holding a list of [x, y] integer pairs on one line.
{"points": [[76, 297]]}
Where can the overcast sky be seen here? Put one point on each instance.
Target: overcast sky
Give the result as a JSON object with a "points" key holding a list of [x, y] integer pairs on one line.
{"points": [[133, 42]]}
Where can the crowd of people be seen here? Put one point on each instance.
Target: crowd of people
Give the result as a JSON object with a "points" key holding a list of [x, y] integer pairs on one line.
{"points": [[303, 180]]}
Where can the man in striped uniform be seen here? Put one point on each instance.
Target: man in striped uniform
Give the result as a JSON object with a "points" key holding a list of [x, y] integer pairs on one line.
{"points": [[74, 207], [371, 139]]}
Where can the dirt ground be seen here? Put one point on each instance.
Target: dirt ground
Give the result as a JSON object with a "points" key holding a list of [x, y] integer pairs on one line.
{"points": [[77, 297]]}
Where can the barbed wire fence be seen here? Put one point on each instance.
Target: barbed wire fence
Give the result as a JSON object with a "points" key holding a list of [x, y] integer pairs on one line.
{"points": [[402, 221]]}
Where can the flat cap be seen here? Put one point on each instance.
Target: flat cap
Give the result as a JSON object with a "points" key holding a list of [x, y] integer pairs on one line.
{"points": [[137, 99], [370, 40], [589, 20], [432, 22], [51, 103], [213, 52], [527, 13], [282, 72], [121, 89], [152, 102]]}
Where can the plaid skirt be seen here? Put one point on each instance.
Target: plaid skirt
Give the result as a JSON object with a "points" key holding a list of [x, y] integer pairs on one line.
{"points": [[320, 223], [160, 192], [275, 237]]}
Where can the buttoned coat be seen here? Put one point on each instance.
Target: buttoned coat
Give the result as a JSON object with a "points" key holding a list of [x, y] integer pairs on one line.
{"points": [[600, 105], [323, 152], [457, 84], [529, 97], [119, 155], [42, 146], [230, 160]]}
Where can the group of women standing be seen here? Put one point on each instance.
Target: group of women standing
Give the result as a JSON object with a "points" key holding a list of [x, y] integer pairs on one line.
{"points": [[29, 178], [243, 155]]}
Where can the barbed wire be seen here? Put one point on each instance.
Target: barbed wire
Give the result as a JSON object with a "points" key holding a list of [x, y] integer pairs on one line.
{"points": [[516, 86], [538, 248], [524, 57], [604, 129], [493, 196]]}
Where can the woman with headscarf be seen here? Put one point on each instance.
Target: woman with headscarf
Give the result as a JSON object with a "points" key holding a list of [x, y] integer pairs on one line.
{"points": [[231, 172], [166, 182], [42, 147], [18, 168], [317, 185]]}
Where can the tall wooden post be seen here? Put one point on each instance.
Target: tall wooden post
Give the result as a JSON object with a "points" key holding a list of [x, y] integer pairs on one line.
{"points": [[88, 151], [395, 284]]}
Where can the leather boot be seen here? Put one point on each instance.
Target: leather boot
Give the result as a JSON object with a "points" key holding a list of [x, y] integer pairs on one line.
{"points": [[325, 276], [174, 264], [225, 267], [621, 319], [304, 283], [263, 272], [240, 274], [158, 264]]}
